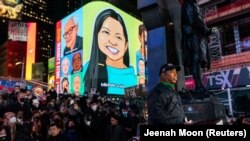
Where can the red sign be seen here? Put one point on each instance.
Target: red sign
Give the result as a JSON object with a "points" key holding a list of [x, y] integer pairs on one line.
{"points": [[58, 53]]}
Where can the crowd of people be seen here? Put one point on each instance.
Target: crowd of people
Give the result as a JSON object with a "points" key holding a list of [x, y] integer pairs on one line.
{"points": [[25, 116], [48, 116]]}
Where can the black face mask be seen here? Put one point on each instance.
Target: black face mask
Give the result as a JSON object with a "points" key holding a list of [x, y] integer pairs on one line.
{"points": [[72, 127], [57, 120], [65, 114], [22, 99]]}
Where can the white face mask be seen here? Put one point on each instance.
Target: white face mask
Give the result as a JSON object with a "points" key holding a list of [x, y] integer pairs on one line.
{"points": [[127, 103], [88, 123], [94, 107], [36, 105], [19, 120], [125, 114], [13, 120], [71, 102]]}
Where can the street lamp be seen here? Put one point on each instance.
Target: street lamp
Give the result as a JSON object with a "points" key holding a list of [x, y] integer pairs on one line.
{"points": [[22, 73]]}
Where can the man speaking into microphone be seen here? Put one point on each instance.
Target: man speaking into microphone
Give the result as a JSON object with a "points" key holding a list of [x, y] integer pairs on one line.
{"points": [[164, 102]]}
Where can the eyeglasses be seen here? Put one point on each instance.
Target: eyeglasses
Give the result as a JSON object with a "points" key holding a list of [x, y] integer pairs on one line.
{"points": [[68, 32]]}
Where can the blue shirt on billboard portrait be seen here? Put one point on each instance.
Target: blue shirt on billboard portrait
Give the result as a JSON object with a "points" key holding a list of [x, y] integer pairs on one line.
{"points": [[118, 79]]}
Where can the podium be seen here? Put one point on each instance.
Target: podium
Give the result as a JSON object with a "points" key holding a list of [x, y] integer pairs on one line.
{"points": [[205, 110]]}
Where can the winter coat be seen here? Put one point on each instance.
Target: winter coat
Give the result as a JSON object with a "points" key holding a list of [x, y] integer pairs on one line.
{"points": [[164, 106]]}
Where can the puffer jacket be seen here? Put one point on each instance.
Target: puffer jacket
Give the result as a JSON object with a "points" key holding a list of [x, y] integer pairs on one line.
{"points": [[164, 106]]}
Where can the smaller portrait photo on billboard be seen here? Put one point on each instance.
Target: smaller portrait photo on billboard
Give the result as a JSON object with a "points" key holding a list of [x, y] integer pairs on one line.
{"points": [[141, 71], [77, 84], [66, 66], [65, 85], [72, 38], [76, 61], [141, 54]]}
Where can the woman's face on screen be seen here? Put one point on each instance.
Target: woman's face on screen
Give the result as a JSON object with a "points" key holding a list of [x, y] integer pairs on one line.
{"points": [[111, 39]]}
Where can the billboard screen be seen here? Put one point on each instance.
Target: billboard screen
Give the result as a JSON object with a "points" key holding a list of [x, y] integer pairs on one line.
{"points": [[11, 9], [99, 46], [17, 31], [38, 71], [51, 64], [31, 50], [229, 78]]}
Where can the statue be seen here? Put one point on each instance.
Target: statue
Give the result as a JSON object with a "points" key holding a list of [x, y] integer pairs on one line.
{"points": [[195, 51]]}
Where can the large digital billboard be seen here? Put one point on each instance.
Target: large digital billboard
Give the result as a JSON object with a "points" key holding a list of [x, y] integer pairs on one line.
{"points": [[17, 31], [31, 50], [99, 46], [11, 9], [51, 72]]}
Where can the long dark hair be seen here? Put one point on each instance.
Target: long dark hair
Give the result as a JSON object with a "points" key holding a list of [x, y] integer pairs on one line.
{"points": [[67, 80], [97, 71]]}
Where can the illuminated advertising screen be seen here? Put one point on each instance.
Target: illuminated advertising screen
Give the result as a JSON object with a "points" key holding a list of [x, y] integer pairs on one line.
{"points": [[229, 78], [17, 31], [99, 46], [38, 70], [51, 72], [31, 50], [11, 9], [51, 64]]}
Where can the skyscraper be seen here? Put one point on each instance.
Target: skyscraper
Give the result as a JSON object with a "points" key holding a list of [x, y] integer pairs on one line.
{"points": [[39, 11]]}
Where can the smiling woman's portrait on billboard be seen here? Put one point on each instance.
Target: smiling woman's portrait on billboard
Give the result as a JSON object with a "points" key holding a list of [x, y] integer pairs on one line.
{"points": [[106, 57], [109, 69]]}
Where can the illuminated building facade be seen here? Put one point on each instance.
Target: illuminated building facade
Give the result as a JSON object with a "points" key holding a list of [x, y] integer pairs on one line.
{"points": [[39, 11], [230, 52], [230, 44]]}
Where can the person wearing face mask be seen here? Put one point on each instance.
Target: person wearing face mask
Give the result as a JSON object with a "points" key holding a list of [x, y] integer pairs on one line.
{"points": [[94, 107], [74, 109], [10, 125], [98, 124], [35, 104], [125, 113], [86, 128], [19, 117]]}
